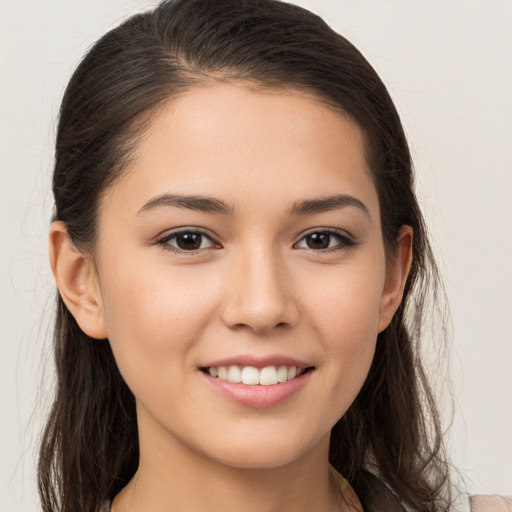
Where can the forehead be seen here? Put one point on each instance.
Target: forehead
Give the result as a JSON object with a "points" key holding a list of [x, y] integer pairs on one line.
{"points": [[239, 143]]}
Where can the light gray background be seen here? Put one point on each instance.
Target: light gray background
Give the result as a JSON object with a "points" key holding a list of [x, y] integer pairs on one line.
{"points": [[448, 67]]}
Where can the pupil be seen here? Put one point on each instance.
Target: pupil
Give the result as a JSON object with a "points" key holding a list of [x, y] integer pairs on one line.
{"points": [[188, 241], [318, 240]]}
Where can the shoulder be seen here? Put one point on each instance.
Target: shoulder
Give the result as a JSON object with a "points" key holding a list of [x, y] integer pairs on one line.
{"points": [[490, 503]]}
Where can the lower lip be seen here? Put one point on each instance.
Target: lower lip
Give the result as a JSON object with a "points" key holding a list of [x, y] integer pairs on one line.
{"points": [[258, 396]]}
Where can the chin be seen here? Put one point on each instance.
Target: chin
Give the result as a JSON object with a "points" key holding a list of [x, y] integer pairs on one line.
{"points": [[258, 451]]}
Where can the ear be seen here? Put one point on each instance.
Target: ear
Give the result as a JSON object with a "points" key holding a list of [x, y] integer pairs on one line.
{"points": [[396, 276], [77, 282]]}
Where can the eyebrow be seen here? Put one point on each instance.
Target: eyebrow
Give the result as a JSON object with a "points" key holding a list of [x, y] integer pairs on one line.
{"points": [[325, 204], [191, 202], [212, 205]]}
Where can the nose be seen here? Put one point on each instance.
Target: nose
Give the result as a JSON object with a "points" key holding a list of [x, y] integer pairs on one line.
{"points": [[258, 293]]}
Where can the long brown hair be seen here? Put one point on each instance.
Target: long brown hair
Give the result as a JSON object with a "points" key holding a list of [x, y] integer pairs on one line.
{"points": [[89, 450]]}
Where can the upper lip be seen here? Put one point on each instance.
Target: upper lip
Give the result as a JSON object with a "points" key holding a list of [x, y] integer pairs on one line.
{"points": [[257, 362]]}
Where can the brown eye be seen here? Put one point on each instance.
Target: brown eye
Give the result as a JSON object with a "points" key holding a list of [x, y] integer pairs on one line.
{"points": [[187, 241], [318, 240], [325, 240]]}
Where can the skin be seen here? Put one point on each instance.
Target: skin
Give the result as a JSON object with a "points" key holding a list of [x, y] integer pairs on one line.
{"points": [[255, 286]]}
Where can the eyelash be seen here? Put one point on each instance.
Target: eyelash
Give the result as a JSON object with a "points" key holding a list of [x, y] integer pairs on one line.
{"points": [[344, 241], [164, 241]]}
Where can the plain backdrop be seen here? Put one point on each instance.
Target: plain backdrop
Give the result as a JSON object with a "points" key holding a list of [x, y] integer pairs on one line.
{"points": [[448, 66]]}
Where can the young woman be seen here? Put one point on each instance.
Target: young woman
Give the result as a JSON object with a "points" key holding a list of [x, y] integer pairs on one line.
{"points": [[242, 270]]}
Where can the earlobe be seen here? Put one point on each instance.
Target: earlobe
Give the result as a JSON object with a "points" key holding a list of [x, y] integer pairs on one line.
{"points": [[77, 282], [396, 276]]}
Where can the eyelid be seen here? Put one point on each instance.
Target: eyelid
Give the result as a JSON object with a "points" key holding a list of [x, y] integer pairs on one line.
{"points": [[163, 239], [346, 240]]}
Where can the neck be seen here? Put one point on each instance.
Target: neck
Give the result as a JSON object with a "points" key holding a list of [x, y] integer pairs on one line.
{"points": [[172, 477]]}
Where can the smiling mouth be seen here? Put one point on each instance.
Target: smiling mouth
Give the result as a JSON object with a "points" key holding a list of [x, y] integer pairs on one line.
{"points": [[252, 376]]}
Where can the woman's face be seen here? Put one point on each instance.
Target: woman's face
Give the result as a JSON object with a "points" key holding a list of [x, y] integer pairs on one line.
{"points": [[244, 242]]}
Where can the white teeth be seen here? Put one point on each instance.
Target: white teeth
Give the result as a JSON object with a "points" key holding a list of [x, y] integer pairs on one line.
{"points": [[250, 375], [268, 376], [282, 374], [234, 374]]}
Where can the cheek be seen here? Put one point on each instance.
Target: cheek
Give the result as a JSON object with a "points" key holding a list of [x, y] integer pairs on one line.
{"points": [[346, 314], [155, 315], [347, 304]]}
